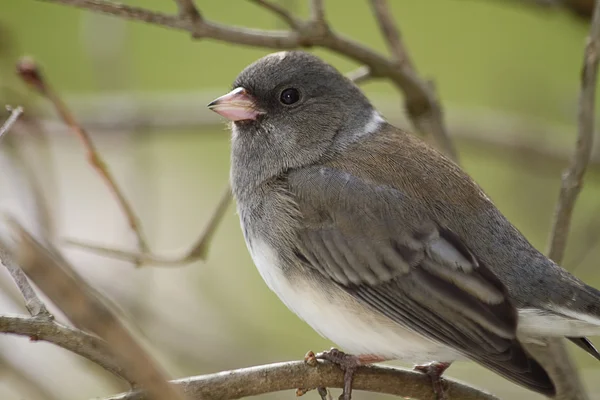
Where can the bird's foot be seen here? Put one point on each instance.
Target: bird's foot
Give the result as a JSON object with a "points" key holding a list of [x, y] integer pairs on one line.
{"points": [[347, 362], [434, 371]]}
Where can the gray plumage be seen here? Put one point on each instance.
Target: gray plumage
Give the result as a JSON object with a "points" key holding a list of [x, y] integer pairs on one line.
{"points": [[381, 243]]}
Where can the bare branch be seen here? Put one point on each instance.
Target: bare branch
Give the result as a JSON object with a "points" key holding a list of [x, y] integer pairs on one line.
{"points": [[30, 73], [281, 12], [33, 303], [270, 378], [15, 113], [572, 180], [317, 12], [188, 10], [74, 340], [87, 308], [199, 251], [390, 32], [359, 75], [422, 105]]}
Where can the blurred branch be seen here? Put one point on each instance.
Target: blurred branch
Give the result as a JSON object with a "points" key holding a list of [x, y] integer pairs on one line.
{"points": [[562, 368], [15, 113], [34, 305], [188, 10], [23, 380], [87, 309], [74, 340], [572, 180], [31, 74], [281, 12], [421, 102], [198, 251], [271, 378]]}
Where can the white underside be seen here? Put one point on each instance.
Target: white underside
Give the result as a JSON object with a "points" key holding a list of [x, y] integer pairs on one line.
{"points": [[344, 321], [358, 330]]}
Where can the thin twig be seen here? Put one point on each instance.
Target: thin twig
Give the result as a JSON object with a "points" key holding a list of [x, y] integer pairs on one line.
{"points": [[359, 75], [30, 73], [391, 33], [33, 303], [422, 105], [561, 366], [199, 251], [572, 180], [15, 113], [271, 378], [281, 12], [74, 340], [317, 13], [188, 10], [87, 309]]}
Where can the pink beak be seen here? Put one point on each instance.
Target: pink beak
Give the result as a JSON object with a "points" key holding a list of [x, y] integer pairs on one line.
{"points": [[236, 105]]}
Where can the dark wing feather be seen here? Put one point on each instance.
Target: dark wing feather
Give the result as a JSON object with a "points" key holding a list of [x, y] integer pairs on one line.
{"points": [[388, 256], [585, 344]]}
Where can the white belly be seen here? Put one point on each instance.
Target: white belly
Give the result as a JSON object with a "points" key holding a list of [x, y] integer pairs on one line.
{"points": [[341, 319]]}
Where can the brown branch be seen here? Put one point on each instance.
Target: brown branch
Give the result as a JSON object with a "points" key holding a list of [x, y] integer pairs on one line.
{"points": [[281, 12], [317, 13], [33, 303], [572, 180], [74, 340], [188, 10], [15, 113], [422, 105], [390, 32], [198, 251], [31, 74], [87, 309], [271, 378], [561, 366]]}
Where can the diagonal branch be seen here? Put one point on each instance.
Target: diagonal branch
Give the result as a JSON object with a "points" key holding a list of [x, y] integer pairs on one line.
{"points": [[87, 309], [271, 378], [572, 180], [391, 33], [15, 113], [31, 74], [188, 10], [281, 12]]}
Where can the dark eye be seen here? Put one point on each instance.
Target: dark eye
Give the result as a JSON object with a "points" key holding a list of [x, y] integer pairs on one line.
{"points": [[289, 96]]}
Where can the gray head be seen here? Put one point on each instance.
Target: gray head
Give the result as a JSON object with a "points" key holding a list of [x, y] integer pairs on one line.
{"points": [[290, 109]]}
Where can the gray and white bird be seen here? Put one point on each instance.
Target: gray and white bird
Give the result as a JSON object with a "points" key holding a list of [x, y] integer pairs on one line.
{"points": [[381, 243]]}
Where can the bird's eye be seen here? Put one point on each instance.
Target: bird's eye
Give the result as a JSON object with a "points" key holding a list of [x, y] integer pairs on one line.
{"points": [[289, 96]]}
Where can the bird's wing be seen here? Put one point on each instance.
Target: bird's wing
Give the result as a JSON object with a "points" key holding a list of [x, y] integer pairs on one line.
{"points": [[373, 244]]}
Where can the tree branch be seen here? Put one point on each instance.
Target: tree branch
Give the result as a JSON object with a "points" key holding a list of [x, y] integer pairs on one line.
{"points": [[562, 368], [31, 74], [15, 113], [572, 180], [271, 378], [74, 340], [422, 105], [281, 12], [391, 33], [87, 309], [188, 10]]}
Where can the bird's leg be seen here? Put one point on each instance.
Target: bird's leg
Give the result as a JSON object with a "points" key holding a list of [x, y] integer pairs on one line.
{"points": [[347, 362], [434, 371]]}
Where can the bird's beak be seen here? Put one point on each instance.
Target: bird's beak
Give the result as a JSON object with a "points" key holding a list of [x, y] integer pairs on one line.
{"points": [[236, 105]]}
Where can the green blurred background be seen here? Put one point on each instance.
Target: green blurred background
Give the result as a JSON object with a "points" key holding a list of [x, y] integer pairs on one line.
{"points": [[508, 78]]}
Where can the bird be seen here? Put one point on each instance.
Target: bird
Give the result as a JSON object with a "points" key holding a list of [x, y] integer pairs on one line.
{"points": [[380, 242]]}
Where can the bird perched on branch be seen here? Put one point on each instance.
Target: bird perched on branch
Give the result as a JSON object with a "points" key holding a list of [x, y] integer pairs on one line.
{"points": [[381, 243]]}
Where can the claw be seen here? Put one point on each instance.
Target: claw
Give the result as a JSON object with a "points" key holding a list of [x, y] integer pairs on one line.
{"points": [[435, 370]]}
